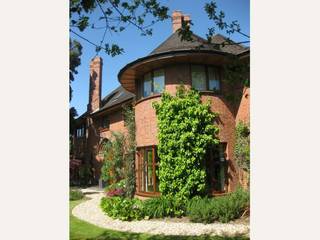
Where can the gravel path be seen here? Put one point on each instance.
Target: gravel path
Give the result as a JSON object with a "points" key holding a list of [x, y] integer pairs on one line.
{"points": [[90, 211]]}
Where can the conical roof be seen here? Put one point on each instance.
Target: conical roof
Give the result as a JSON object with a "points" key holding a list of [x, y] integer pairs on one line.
{"points": [[174, 43]]}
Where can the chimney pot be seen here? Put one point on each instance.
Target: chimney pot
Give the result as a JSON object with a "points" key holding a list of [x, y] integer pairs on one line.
{"points": [[177, 18]]}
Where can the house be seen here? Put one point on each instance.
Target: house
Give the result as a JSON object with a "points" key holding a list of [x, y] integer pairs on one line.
{"points": [[195, 64]]}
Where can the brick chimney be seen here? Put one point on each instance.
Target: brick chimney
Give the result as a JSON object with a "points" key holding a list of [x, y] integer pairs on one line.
{"points": [[177, 18], [95, 84]]}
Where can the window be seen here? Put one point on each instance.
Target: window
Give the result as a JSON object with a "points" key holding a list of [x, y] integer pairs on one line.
{"points": [[213, 76], [153, 83], [216, 167], [80, 131], [147, 167], [105, 122], [147, 85], [205, 78], [198, 75], [158, 81]]}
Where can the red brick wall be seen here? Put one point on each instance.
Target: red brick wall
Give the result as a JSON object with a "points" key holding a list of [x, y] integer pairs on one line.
{"points": [[146, 121], [243, 113]]}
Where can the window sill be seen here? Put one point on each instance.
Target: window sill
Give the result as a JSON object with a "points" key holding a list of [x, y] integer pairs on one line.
{"points": [[213, 93], [149, 97], [103, 129], [148, 194]]}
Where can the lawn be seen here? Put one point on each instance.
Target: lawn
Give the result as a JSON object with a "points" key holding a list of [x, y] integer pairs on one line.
{"points": [[81, 230]]}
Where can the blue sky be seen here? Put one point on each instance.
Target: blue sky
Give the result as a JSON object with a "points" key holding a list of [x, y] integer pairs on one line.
{"points": [[136, 46]]}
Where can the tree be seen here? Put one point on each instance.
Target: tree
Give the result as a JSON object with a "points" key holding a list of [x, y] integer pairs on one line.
{"points": [[115, 16], [185, 130]]}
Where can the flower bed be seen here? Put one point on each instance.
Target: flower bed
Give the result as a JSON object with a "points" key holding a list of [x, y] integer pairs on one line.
{"points": [[204, 210]]}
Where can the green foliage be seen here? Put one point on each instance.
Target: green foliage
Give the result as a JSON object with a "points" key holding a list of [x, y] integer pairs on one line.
{"points": [[164, 206], [112, 169], [125, 209], [85, 174], [242, 146], [115, 16], [75, 195], [185, 129], [119, 156], [75, 51], [129, 160], [222, 209]]}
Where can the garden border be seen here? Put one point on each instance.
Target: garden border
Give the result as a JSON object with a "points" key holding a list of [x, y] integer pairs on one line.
{"points": [[91, 212]]}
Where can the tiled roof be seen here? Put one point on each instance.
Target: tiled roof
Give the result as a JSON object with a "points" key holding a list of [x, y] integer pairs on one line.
{"points": [[174, 43], [117, 96]]}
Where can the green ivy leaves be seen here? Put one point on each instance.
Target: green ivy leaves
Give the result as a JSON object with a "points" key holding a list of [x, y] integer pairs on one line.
{"points": [[185, 129]]}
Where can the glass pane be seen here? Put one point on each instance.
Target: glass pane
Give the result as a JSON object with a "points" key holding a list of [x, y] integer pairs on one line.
{"points": [[147, 85], [157, 178], [149, 172], [150, 179], [158, 81], [198, 75], [214, 82]]}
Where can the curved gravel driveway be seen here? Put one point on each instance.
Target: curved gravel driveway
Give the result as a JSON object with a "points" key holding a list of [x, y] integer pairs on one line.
{"points": [[90, 211]]}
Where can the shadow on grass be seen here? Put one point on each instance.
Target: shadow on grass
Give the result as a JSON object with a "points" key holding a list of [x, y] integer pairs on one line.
{"points": [[114, 235]]}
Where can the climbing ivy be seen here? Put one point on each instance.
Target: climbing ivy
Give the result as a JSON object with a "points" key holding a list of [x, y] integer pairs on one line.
{"points": [[185, 129], [242, 146], [112, 170], [119, 155], [130, 145]]}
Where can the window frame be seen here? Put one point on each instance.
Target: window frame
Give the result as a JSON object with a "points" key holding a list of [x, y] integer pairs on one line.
{"points": [[206, 70], [101, 127], [141, 152]]}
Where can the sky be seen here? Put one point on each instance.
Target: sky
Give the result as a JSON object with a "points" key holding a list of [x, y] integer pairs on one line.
{"points": [[137, 46]]}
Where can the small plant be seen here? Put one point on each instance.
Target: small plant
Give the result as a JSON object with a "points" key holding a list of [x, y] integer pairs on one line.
{"points": [[222, 209], [116, 189], [125, 209], [164, 206], [75, 195]]}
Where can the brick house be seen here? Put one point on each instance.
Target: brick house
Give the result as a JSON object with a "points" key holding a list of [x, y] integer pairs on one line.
{"points": [[194, 64]]}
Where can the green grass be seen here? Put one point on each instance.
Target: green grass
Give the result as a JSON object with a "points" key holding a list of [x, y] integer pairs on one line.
{"points": [[81, 230]]}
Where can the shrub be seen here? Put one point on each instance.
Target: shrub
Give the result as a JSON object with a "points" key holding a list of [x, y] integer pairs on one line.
{"points": [[125, 209], [116, 189], [75, 195], [186, 128], [222, 209], [164, 206]]}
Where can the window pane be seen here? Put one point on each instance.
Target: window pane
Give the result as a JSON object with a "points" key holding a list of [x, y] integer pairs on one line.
{"points": [[105, 122], [147, 85], [198, 75], [158, 81], [157, 178], [149, 172], [214, 81]]}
